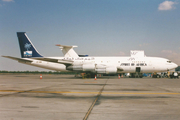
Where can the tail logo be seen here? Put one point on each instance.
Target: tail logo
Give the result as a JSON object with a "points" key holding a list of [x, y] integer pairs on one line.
{"points": [[27, 53]]}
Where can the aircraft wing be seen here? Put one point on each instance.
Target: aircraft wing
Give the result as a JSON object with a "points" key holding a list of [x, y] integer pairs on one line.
{"points": [[61, 61], [18, 59]]}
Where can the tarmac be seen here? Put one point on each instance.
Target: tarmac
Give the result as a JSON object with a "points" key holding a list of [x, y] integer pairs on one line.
{"points": [[64, 97]]}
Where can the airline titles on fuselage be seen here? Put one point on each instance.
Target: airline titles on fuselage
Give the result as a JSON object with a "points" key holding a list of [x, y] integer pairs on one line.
{"points": [[79, 58], [132, 62]]}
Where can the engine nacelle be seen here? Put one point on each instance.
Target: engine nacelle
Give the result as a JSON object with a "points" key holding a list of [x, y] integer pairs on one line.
{"points": [[100, 66], [89, 67], [83, 67], [74, 68], [107, 70], [93, 68], [111, 70]]}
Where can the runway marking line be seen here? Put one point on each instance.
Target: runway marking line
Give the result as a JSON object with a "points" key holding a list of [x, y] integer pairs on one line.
{"points": [[127, 93], [94, 102]]}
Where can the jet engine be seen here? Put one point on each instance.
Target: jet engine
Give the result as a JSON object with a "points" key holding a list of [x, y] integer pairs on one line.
{"points": [[98, 68], [82, 67], [107, 70]]}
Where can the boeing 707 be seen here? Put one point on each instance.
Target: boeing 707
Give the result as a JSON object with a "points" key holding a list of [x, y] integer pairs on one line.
{"points": [[71, 61]]}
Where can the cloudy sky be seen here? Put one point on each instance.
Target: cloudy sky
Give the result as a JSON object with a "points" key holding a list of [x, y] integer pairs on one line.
{"points": [[97, 27]]}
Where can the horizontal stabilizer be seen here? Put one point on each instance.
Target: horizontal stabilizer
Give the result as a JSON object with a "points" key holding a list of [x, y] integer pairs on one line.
{"points": [[66, 46], [68, 51]]}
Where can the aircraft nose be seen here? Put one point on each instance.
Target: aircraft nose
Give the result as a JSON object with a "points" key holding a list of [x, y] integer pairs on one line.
{"points": [[175, 65]]}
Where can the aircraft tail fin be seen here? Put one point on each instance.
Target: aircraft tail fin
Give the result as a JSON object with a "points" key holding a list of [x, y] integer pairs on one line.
{"points": [[68, 51], [27, 49]]}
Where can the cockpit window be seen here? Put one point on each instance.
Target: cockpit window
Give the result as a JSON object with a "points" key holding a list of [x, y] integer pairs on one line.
{"points": [[169, 61]]}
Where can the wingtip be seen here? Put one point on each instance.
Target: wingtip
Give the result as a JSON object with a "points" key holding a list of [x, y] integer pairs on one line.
{"points": [[58, 45], [3, 56]]}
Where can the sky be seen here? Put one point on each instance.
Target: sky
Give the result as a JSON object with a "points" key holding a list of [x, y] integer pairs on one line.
{"points": [[97, 27]]}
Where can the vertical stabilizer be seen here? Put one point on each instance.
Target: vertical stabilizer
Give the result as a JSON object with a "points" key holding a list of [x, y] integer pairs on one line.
{"points": [[27, 49]]}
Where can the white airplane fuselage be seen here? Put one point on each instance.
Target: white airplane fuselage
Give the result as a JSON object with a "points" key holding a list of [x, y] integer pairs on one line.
{"points": [[108, 64], [136, 62]]}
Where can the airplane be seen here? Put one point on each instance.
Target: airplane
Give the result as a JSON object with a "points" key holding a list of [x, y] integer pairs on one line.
{"points": [[136, 63]]}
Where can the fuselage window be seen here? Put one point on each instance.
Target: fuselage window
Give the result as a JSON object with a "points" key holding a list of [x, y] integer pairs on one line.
{"points": [[141, 64]]}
